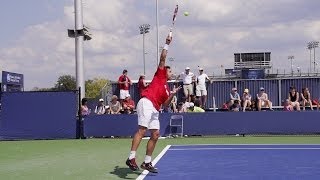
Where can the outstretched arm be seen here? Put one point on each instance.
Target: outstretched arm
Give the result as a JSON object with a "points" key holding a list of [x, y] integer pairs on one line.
{"points": [[164, 52]]}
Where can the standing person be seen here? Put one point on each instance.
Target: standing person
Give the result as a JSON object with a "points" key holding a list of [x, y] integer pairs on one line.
{"points": [[187, 78], [201, 90], [124, 85], [142, 85], [156, 94]]}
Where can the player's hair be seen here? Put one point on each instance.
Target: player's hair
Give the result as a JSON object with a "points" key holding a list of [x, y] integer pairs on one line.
{"points": [[168, 67]]}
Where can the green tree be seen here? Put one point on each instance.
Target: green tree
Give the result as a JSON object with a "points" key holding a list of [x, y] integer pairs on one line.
{"points": [[95, 87], [66, 82]]}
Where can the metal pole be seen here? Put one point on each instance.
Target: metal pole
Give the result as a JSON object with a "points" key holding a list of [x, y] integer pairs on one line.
{"points": [[157, 21], [144, 55], [79, 47], [310, 59], [314, 59]]}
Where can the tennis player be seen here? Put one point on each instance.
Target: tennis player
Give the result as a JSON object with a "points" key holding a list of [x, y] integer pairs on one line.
{"points": [[155, 95]]}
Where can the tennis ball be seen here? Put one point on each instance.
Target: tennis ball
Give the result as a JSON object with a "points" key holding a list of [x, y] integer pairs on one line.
{"points": [[186, 13]]}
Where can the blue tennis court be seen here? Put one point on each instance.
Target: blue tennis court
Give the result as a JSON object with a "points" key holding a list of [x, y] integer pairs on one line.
{"points": [[237, 162]]}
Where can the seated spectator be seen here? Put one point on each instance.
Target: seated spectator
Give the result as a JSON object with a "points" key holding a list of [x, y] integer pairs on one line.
{"points": [[100, 108], [84, 110], [246, 99], [115, 106], [306, 98], [192, 108], [253, 105], [262, 100], [235, 107], [234, 95], [294, 98], [128, 105], [180, 108], [173, 104], [226, 106], [287, 106]]}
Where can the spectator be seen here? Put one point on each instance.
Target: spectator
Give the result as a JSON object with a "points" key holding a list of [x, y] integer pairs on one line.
{"points": [[187, 78], [294, 98], [246, 99], [180, 108], [124, 85], [201, 90], [306, 98], [115, 106], [142, 85], [235, 107], [128, 105], [173, 104], [234, 95], [262, 100], [287, 106], [193, 108], [84, 107], [100, 108]]}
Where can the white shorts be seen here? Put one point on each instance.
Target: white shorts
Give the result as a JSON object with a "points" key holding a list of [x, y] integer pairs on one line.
{"points": [[188, 89], [123, 93], [148, 116], [201, 91]]}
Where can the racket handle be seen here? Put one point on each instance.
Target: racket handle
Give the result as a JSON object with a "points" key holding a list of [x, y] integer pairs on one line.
{"points": [[170, 33]]}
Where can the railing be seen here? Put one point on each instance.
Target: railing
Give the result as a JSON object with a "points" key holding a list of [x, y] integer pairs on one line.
{"points": [[252, 64]]}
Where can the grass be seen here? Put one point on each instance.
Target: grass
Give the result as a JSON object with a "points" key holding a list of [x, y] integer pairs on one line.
{"points": [[98, 158]]}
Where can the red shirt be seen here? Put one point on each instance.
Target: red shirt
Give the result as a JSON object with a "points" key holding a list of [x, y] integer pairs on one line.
{"points": [[129, 103], [124, 78], [158, 90]]}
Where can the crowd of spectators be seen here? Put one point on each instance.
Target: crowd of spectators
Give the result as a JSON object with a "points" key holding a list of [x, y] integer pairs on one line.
{"points": [[195, 102]]}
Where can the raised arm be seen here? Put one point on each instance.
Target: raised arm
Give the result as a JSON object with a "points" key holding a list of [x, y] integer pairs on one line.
{"points": [[164, 52]]}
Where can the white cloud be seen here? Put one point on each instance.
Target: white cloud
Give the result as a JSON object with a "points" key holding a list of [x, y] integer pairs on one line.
{"points": [[208, 37]]}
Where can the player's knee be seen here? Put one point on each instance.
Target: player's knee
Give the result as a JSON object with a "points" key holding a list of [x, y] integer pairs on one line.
{"points": [[142, 131], [155, 135]]}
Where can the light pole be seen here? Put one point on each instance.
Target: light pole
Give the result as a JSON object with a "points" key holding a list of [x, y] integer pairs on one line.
{"points": [[157, 26], [309, 46], [291, 59], [313, 45], [171, 59], [144, 28]]}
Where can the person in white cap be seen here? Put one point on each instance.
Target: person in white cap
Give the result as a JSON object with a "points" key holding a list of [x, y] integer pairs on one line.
{"points": [[194, 109], [188, 79], [246, 99], [201, 89], [100, 108], [128, 104], [263, 100], [234, 95]]}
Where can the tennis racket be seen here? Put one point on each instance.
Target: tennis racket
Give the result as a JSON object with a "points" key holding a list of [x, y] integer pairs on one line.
{"points": [[175, 13]]}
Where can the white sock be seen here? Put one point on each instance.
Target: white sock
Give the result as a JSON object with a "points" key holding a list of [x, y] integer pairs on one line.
{"points": [[132, 154], [147, 159]]}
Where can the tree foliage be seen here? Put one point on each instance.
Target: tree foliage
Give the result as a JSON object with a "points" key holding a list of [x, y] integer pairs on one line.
{"points": [[95, 88], [66, 83]]}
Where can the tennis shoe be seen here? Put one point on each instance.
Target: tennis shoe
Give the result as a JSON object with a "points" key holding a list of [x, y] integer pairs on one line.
{"points": [[149, 167], [132, 164]]}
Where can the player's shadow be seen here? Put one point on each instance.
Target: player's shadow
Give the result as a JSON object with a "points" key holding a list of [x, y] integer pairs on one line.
{"points": [[123, 172]]}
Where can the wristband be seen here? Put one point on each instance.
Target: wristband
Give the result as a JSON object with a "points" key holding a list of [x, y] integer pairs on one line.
{"points": [[166, 47]]}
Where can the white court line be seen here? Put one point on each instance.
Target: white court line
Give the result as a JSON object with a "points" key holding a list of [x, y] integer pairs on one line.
{"points": [[145, 172], [198, 149], [246, 145]]}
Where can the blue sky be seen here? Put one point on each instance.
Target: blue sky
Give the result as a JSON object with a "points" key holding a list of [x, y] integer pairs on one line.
{"points": [[35, 42]]}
